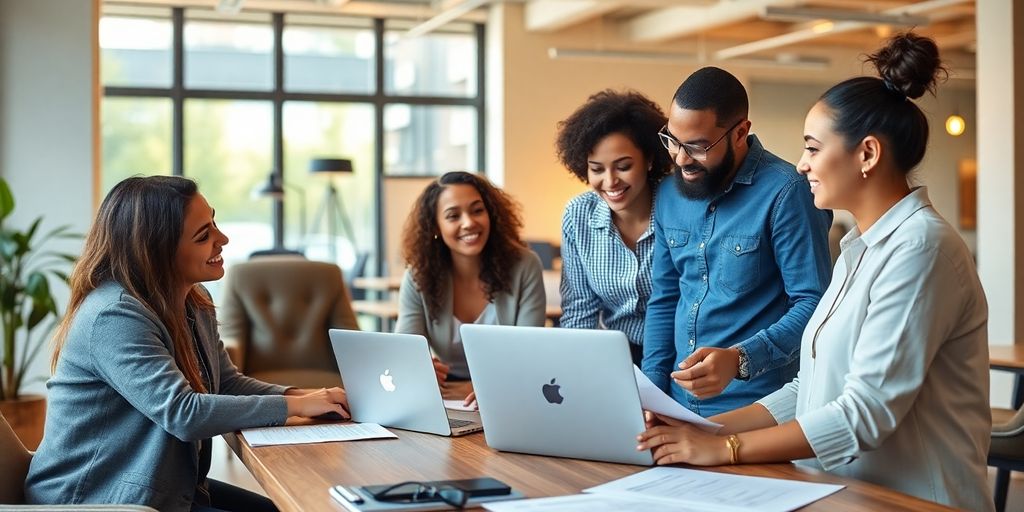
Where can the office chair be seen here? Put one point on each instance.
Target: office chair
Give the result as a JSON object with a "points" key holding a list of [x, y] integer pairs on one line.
{"points": [[14, 468], [1006, 453], [276, 313], [546, 251]]}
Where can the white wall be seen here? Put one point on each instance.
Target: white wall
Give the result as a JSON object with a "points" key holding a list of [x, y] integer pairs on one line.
{"points": [[46, 116]]}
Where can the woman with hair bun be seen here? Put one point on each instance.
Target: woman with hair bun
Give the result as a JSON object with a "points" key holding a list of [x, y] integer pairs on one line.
{"points": [[893, 380]]}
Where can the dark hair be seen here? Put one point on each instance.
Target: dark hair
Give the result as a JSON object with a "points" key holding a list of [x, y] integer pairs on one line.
{"points": [[629, 113], [133, 242], [908, 66], [715, 89], [430, 260]]}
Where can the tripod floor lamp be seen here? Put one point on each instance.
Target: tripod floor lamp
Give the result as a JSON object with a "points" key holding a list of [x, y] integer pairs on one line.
{"points": [[331, 208]]}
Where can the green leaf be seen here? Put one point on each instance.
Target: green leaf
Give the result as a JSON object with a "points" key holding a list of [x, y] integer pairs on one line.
{"points": [[63, 276], [32, 230], [6, 200], [37, 286]]}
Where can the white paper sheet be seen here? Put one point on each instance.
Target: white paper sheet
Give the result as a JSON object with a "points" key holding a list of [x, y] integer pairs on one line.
{"points": [[653, 399], [588, 503], [456, 405], [326, 433], [717, 491]]}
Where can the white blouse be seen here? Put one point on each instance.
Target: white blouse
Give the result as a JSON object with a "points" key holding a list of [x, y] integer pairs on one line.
{"points": [[893, 382]]}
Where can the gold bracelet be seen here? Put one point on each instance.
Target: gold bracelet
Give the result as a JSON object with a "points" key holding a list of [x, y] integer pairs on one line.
{"points": [[733, 442]]}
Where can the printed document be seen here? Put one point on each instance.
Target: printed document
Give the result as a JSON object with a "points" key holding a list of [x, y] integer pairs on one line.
{"points": [[653, 399], [303, 434], [708, 490], [589, 503]]}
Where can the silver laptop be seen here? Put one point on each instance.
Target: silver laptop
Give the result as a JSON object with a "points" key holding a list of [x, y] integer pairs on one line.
{"points": [[389, 379], [560, 392]]}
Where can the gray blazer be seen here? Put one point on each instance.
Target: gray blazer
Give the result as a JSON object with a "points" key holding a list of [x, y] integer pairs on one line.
{"points": [[122, 423], [524, 304]]}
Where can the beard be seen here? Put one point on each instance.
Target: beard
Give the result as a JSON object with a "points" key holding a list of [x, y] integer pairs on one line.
{"points": [[713, 181]]}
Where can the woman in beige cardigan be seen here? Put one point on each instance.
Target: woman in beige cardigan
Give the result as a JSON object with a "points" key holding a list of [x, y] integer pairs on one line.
{"points": [[467, 264]]}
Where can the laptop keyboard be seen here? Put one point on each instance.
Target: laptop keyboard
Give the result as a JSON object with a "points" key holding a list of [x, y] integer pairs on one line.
{"points": [[458, 423]]}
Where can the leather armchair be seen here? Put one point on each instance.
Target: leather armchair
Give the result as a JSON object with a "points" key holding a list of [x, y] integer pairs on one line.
{"points": [[275, 314], [14, 467]]}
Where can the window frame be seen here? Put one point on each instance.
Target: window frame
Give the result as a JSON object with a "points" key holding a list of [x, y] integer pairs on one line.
{"points": [[178, 93]]}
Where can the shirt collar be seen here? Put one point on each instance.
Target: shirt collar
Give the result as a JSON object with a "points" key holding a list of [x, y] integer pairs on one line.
{"points": [[601, 216], [755, 153], [892, 219]]}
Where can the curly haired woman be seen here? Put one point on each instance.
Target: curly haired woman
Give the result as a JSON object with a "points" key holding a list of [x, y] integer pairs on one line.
{"points": [[611, 144], [467, 264]]}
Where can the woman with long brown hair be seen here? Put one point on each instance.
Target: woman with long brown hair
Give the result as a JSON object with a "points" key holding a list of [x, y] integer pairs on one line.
{"points": [[141, 380], [467, 264]]}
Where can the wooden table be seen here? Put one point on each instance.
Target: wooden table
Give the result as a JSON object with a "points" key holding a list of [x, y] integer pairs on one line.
{"points": [[296, 477], [1010, 358], [378, 284]]}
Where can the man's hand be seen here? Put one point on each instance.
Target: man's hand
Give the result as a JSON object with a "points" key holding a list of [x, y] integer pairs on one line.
{"points": [[708, 371]]}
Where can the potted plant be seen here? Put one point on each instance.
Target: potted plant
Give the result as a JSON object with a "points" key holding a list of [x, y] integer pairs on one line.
{"points": [[28, 313]]}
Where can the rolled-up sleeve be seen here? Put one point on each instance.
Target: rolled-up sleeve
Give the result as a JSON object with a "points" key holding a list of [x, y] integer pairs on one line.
{"points": [[912, 308]]}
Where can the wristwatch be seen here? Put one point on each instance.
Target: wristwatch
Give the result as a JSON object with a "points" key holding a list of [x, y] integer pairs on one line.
{"points": [[743, 370]]}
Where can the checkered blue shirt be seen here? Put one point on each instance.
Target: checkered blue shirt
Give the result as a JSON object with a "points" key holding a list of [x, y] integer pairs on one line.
{"points": [[604, 283]]}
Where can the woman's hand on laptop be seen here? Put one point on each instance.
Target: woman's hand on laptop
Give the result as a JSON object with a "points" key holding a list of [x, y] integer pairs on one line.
{"points": [[441, 370], [315, 402], [470, 401]]}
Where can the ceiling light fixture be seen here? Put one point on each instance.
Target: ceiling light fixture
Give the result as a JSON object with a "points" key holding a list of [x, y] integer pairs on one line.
{"points": [[955, 125], [823, 26], [784, 61], [799, 14]]}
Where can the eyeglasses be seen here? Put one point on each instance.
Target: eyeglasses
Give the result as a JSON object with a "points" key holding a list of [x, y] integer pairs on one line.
{"points": [[694, 151], [418, 492]]}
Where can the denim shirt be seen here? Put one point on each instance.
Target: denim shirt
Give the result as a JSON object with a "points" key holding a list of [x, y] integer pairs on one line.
{"points": [[744, 268], [604, 282]]}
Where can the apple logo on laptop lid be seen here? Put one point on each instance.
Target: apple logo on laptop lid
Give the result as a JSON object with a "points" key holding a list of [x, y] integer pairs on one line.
{"points": [[387, 381], [551, 393]]}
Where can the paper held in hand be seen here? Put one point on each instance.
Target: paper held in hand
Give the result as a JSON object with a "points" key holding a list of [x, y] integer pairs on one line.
{"points": [[653, 399]]}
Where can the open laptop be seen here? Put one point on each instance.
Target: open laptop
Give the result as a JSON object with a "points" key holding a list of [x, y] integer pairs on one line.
{"points": [[561, 392], [389, 379]]}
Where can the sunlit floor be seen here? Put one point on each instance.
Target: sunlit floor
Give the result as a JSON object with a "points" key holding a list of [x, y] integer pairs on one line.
{"points": [[227, 468]]}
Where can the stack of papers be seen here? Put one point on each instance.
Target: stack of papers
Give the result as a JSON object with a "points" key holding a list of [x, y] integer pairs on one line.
{"points": [[315, 434], [683, 490]]}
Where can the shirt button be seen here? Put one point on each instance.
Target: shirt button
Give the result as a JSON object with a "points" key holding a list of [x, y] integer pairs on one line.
{"points": [[705, 277], [694, 305], [702, 245], [738, 248], [691, 342], [672, 241]]}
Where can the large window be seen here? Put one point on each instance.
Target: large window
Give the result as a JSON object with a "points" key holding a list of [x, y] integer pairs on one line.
{"points": [[235, 101]]}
